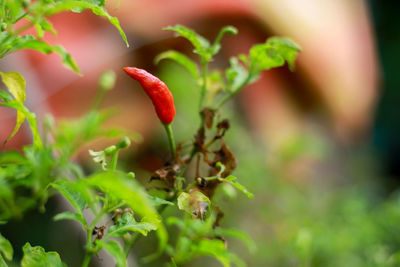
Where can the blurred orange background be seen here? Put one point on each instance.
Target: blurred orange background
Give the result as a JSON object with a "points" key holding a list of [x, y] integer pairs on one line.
{"points": [[332, 93], [336, 73], [330, 120]]}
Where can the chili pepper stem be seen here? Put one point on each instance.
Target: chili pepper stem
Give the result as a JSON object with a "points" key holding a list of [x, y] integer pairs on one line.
{"points": [[171, 139]]}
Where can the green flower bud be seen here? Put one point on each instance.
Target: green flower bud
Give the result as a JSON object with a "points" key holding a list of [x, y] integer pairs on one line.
{"points": [[110, 150], [107, 80], [26, 3], [49, 122], [3, 26], [123, 143], [131, 175]]}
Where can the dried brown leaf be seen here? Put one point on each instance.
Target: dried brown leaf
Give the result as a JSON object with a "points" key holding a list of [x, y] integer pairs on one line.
{"points": [[166, 174], [208, 115]]}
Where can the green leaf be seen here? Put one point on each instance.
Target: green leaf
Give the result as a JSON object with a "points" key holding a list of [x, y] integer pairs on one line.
{"points": [[76, 196], [273, 53], [72, 192], [116, 184], [264, 57], [37, 257], [193, 203], [201, 228], [113, 20], [180, 59], [251, 245], [286, 48], [183, 202], [69, 134], [201, 44], [176, 221], [228, 190], [46, 25], [232, 180], [4, 96], [39, 31], [216, 248], [66, 58], [184, 250], [30, 42], [214, 49], [97, 8], [31, 117], [16, 85], [115, 249], [6, 248], [10, 156], [244, 59], [127, 223], [2, 262], [128, 190], [236, 75], [14, 9], [67, 215], [41, 25], [193, 227], [159, 201]]}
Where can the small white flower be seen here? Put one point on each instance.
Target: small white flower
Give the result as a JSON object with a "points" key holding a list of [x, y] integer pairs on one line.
{"points": [[99, 157]]}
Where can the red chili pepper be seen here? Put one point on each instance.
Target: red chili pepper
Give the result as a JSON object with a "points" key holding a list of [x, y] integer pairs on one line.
{"points": [[157, 91]]}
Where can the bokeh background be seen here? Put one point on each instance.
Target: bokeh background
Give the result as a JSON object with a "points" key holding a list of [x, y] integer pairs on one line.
{"points": [[319, 148]]}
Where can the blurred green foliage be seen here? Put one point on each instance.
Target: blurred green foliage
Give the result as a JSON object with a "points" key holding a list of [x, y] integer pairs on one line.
{"points": [[323, 223]]}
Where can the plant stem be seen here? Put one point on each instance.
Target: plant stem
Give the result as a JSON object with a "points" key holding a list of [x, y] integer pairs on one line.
{"points": [[98, 99], [130, 243], [194, 183], [137, 235], [89, 253], [204, 85], [3, 53], [173, 263], [171, 140], [227, 97], [114, 160], [21, 17], [23, 28], [86, 260], [198, 166], [2, 10], [31, 117], [202, 96]]}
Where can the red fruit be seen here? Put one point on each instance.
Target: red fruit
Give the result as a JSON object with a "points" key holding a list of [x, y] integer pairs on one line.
{"points": [[158, 92]]}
